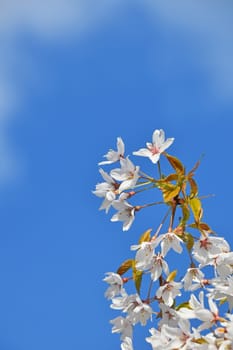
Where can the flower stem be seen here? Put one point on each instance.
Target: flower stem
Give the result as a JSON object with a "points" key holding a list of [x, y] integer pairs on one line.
{"points": [[172, 217], [159, 169], [151, 204], [147, 176], [161, 224]]}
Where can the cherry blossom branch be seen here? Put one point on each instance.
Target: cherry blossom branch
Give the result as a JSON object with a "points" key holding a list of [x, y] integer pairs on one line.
{"points": [[194, 297]]}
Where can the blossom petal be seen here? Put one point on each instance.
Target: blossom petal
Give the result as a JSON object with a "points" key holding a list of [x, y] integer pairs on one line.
{"points": [[120, 146], [143, 152], [166, 144], [154, 157], [158, 138]]}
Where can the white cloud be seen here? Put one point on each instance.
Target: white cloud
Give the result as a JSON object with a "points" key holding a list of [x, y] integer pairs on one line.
{"points": [[207, 25], [51, 20]]}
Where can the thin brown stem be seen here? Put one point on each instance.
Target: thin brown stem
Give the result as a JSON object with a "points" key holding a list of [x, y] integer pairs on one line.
{"points": [[172, 217], [151, 204], [159, 169], [161, 224]]}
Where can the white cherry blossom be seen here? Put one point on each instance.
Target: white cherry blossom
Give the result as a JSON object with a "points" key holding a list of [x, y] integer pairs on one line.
{"points": [[144, 255], [128, 174], [179, 336], [169, 241], [121, 302], [208, 247], [140, 313], [154, 149], [173, 338], [227, 331], [158, 266], [194, 305], [223, 264], [146, 259], [209, 317], [193, 274], [115, 282], [125, 213], [123, 326], [127, 344], [169, 291], [114, 156], [107, 189], [188, 323], [169, 315], [136, 309], [159, 339], [223, 288]]}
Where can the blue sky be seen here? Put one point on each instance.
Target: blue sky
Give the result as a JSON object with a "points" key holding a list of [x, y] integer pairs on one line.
{"points": [[73, 78]]}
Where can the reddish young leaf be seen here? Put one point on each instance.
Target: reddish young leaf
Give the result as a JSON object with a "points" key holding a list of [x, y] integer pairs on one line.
{"points": [[125, 266], [175, 163]]}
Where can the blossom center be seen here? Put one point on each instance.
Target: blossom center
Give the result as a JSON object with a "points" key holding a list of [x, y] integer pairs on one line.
{"points": [[154, 150], [204, 243]]}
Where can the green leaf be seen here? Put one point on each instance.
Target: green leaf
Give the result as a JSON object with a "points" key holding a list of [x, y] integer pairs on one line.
{"points": [[223, 301], [175, 163], [195, 205], [171, 177], [183, 305], [200, 341], [189, 241], [170, 193], [137, 277], [185, 212], [193, 225], [145, 237], [193, 186], [171, 276], [125, 266]]}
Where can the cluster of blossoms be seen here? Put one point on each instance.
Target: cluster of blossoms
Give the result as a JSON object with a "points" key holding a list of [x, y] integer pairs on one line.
{"points": [[190, 309]]}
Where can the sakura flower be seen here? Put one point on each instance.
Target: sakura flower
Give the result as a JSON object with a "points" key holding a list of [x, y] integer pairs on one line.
{"points": [[223, 264], [169, 316], [223, 288], [197, 310], [178, 337], [209, 317], [158, 266], [125, 213], [122, 302], [158, 339], [228, 327], [128, 174], [193, 274], [147, 260], [208, 247], [123, 326], [171, 338], [223, 336], [154, 149], [169, 241], [107, 190], [144, 255], [139, 312], [116, 284], [127, 344], [114, 156], [169, 291], [194, 305]]}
